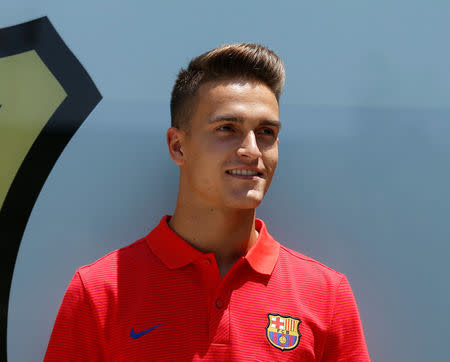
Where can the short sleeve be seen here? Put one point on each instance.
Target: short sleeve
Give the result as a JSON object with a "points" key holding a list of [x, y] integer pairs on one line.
{"points": [[76, 334], [345, 339]]}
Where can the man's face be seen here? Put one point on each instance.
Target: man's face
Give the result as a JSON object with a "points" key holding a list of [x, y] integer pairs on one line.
{"points": [[231, 151]]}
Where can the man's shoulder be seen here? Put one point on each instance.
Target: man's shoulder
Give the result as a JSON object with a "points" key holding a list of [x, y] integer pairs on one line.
{"points": [[301, 263], [124, 259]]}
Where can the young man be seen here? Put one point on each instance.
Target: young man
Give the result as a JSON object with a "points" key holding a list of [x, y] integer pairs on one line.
{"points": [[209, 282]]}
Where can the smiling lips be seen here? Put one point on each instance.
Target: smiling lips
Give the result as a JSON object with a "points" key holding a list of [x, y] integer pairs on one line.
{"points": [[244, 173]]}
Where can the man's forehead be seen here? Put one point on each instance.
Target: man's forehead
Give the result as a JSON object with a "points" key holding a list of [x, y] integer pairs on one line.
{"points": [[235, 100], [232, 95]]}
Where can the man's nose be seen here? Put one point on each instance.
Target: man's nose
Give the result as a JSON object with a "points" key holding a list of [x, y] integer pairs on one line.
{"points": [[249, 147]]}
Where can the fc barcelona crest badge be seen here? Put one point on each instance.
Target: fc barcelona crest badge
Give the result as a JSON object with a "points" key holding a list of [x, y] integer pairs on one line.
{"points": [[283, 332]]}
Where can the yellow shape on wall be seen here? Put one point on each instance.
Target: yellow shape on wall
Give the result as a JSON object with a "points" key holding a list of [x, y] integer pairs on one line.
{"points": [[29, 95]]}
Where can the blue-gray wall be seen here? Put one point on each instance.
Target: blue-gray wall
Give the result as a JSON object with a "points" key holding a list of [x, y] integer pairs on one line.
{"points": [[364, 171]]}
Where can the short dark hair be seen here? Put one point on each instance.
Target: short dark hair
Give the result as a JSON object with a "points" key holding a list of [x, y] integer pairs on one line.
{"points": [[242, 61]]}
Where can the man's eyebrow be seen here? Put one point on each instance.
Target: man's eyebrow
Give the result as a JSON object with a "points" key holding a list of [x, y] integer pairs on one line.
{"points": [[221, 118], [226, 118], [271, 123]]}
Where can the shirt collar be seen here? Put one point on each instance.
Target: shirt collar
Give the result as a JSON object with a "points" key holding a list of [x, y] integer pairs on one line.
{"points": [[175, 252]]}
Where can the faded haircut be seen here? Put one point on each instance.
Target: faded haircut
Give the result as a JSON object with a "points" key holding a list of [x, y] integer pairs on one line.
{"points": [[229, 61]]}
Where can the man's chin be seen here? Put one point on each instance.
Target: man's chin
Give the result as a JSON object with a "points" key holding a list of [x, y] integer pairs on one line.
{"points": [[249, 201]]}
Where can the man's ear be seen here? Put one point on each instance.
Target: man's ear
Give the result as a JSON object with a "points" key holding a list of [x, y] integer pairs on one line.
{"points": [[175, 138]]}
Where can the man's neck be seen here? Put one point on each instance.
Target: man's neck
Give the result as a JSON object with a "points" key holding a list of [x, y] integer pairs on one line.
{"points": [[226, 233]]}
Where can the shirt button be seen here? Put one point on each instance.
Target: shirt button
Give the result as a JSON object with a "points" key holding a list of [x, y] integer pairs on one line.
{"points": [[219, 303]]}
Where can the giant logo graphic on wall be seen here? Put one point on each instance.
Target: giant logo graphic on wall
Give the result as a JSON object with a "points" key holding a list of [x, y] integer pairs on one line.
{"points": [[45, 95]]}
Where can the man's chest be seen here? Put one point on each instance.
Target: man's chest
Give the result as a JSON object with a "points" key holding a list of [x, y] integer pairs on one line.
{"points": [[251, 322]]}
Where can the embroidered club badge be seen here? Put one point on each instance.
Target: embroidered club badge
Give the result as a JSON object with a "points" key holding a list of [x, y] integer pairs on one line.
{"points": [[283, 332]]}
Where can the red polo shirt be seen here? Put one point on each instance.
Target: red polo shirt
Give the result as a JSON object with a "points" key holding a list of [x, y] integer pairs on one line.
{"points": [[161, 299]]}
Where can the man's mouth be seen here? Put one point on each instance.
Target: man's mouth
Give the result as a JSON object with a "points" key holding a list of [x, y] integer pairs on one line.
{"points": [[244, 172]]}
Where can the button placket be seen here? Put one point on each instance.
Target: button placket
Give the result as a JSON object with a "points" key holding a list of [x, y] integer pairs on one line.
{"points": [[219, 303], [210, 275], [220, 315], [219, 328]]}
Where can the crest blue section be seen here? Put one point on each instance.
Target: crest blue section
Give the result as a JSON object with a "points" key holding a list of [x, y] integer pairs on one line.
{"points": [[278, 335]]}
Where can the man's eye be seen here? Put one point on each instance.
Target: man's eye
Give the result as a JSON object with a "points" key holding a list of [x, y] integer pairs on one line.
{"points": [[267, 131], [225, 128]]}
